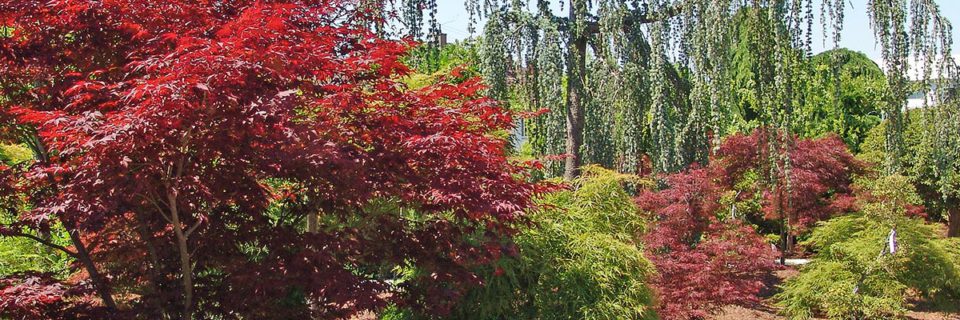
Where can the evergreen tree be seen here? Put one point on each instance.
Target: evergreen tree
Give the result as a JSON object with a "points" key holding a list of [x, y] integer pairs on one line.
{"points": [[636, 46]]}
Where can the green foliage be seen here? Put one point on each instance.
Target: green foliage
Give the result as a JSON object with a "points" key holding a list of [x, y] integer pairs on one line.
{"points": [[844, 95], [922, 42], [742, 65], [582, 260], [926, 162], [871, 150], [951, 246], [432, 64], [22, 254], [840, 91], [13, 153], [744, 109], [547, 133], [854, 276]]}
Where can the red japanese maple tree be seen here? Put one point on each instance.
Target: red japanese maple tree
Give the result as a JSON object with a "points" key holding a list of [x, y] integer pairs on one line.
{"points": [[703, 263], [818, 186], [184, 143]]}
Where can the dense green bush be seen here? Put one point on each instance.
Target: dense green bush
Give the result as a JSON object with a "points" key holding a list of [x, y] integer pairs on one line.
{"points": [[22, 255], [12, 154], [453, 62], [936, 178], [844, 90], [855, 276], [580, 260]]}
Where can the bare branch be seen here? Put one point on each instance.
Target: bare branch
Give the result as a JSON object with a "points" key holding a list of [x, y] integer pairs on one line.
{"points": [[157, 206], [44, 242], [193, 228]]}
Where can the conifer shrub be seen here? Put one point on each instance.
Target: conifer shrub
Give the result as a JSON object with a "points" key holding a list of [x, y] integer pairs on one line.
{"points": [[858, 274], [12, 154], [581, 259]]}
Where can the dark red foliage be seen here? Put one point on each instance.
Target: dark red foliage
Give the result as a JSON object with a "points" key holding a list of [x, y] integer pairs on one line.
{"points": [[241, 118], [702, 263], [29, 296], [819, 185], [7, 189]]}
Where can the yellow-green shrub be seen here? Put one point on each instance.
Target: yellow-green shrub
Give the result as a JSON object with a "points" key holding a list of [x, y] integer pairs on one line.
{"points": [[581, 260], [855, 276]]}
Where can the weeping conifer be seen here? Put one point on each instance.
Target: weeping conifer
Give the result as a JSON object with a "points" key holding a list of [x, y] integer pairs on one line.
{"points": [[628, 78]]}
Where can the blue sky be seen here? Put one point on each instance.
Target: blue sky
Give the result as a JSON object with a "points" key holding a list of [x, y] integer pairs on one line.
{"points": [[856, 35]]}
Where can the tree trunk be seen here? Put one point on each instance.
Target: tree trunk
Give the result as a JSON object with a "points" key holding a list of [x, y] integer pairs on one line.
{"points": [[784, 228], [154, 283], [312, 222], [576, 73], [783, 242], [953, 208], [791, 239], [186, 268], [99, 282]]}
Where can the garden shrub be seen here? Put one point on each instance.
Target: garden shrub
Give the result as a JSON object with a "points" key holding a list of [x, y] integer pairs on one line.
{"points": [[22, 255], [13, 154], [937, 180], [18, 255], [164, 125], [36, 295], [580, 260], [705, 258], [855, 274]]}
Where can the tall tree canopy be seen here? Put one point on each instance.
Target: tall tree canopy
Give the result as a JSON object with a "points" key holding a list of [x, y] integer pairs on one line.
{"points": [[609, 62], [182, 144], [844, 95], [930, 163]]}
